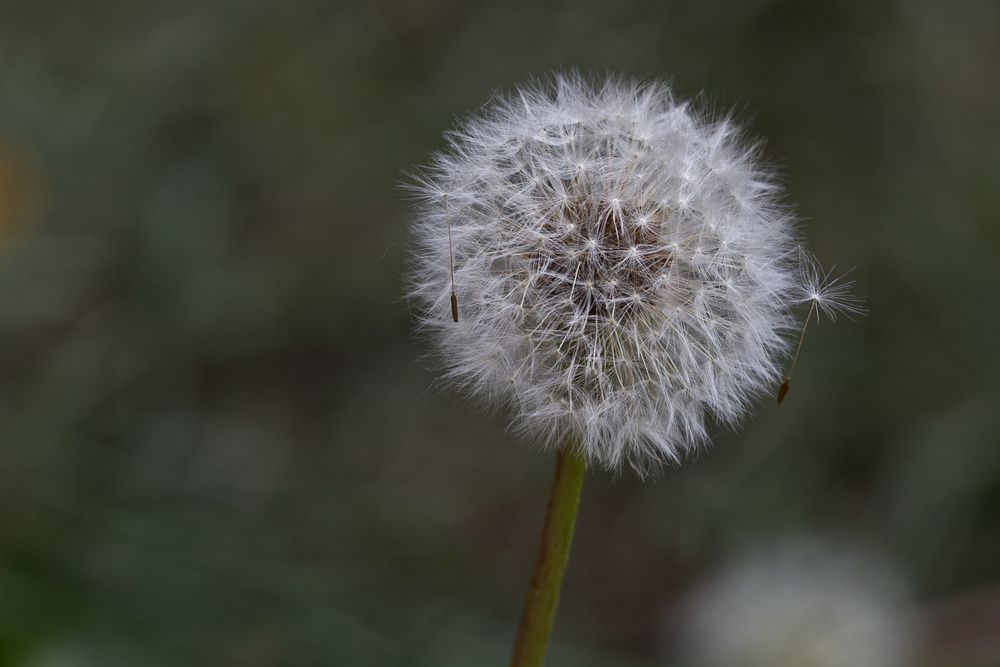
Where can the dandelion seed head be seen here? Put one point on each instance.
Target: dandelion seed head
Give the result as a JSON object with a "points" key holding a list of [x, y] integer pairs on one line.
{"points": [[625, 269]]}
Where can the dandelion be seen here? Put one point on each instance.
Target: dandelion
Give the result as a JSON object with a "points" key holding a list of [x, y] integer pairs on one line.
{"points": [[616, 270], [825, 294]]}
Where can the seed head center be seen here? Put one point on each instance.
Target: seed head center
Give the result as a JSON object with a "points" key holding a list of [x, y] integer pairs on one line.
{"points": [[601, 261]]}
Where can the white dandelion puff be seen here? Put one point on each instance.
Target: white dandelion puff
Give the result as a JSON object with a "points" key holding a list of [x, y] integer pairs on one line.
{"points": [[622, 270], [825, 292]]}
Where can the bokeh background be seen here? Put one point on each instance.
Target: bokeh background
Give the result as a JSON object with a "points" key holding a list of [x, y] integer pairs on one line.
{"points": [[218, 445]]}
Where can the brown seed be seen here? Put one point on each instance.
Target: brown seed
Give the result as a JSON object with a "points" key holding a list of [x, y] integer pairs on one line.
{"points": [[454, 306], [782, 391]]}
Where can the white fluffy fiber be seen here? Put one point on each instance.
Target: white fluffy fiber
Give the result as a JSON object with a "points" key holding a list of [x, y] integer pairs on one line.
{"points": [[624, 268]]}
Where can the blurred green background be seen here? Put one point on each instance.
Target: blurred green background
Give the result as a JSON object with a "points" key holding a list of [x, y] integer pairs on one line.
{"points": [[218, 445]]}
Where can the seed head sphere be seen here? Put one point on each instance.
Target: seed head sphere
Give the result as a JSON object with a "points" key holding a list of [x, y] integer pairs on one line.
{"points": [[625, 271]]}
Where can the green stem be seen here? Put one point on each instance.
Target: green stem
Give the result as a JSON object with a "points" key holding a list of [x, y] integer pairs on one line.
{"points": [[550, 565]]}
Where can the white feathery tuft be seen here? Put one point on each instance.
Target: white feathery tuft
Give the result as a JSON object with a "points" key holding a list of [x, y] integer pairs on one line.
{"points": [[624, 268], [825, 292]]}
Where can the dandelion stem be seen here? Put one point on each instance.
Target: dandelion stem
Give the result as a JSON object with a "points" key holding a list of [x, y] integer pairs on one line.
{"points": [[802, 337], [451, 263], [539, 612], [783, 390]]}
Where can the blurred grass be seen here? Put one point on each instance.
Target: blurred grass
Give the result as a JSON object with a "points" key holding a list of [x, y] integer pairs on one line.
{"points": [[216, 443]]}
